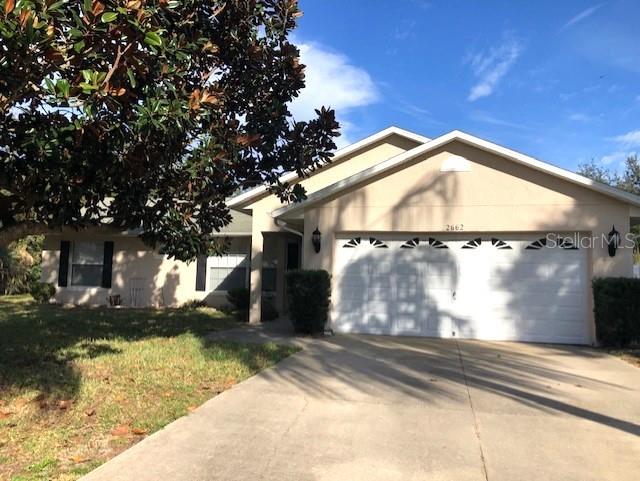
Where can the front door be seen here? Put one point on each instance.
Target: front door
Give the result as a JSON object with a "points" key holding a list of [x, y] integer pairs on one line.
{"points": [[293, 260]]}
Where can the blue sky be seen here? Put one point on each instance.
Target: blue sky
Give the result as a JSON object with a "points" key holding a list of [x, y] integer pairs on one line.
{"points": [[557, 80]]}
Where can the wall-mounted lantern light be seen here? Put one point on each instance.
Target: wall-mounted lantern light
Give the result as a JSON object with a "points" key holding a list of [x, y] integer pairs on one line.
{"points": [[315, 240], [613, 241]]}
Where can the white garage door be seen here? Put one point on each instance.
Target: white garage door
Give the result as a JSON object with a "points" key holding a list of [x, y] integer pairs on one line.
{"points": [[495, 287]]}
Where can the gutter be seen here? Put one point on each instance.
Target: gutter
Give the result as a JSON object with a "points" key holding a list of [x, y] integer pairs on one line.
{"points": [[283, 225]]}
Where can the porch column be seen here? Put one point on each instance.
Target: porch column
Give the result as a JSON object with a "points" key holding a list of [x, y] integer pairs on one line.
{"points": [[255, 288]]}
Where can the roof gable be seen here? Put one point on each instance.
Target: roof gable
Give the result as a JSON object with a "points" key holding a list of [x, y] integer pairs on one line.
{"points": [[246, 198], [403, 160]]}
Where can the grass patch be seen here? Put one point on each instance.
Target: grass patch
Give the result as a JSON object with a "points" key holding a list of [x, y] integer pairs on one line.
{"points": [[79, 385]]}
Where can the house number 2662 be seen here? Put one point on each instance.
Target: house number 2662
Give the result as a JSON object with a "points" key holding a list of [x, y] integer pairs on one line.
{"points": [[455, 227]]}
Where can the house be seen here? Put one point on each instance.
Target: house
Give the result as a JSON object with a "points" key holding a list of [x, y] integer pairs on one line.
{"points": [[449, 237]]}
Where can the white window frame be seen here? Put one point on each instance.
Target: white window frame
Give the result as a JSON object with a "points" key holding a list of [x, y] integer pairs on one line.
{"points": [[228, 264], [81, 287]]}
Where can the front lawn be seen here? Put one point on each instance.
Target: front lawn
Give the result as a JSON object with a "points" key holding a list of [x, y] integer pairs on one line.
{"points": [[79, 385]]}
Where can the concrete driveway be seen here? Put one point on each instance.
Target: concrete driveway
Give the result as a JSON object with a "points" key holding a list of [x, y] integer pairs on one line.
{"points": [[380, 408]]}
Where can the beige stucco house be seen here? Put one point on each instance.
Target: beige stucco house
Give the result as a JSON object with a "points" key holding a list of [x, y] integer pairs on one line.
{"points": [[449, 237]]}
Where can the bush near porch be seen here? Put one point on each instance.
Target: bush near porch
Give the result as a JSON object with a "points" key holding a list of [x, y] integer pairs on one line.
{"points": [[309, 292], [617, 311], [79, 385]]}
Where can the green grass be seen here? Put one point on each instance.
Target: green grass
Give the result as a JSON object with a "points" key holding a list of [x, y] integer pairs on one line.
{"points": [[79, 385]]}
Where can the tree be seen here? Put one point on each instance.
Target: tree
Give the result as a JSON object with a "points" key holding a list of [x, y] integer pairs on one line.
{"points": [[20, 265], [149, 115], [628, 181], [599, 173]]}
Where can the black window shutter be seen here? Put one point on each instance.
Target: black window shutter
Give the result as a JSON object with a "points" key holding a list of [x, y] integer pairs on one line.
{"points": [[107, 264], [63, 267], [201, 273]]}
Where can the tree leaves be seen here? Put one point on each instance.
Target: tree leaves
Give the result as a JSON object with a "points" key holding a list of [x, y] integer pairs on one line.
{"points": [[165, 108], [153, 39], [108, 17], [9, 5]]}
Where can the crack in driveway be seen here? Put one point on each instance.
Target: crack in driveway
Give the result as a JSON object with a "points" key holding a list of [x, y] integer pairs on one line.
{"points": [[476, 426]]}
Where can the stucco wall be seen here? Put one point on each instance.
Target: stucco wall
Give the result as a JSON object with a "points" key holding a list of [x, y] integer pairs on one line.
{"points": [[496, 195], [163, 281], [261, 209]]}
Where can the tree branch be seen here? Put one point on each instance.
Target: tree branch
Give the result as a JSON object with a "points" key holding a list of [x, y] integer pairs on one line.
{"points": [[22, 229], [116, 62]]}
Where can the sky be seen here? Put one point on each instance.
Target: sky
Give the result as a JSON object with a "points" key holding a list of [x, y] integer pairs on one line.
{"points": [[557, 80]]}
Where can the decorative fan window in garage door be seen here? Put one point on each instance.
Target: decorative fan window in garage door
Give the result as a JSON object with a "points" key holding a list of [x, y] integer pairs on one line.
{"points": [[564, 243], [377, 243], [355, 242], [436, 244], [536, 245], [568, 244], [473, 244], [411, 243], [500, 244]]}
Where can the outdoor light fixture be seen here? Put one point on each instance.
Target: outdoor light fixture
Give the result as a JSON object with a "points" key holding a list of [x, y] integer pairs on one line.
{"points": [[613, 241], [315, 240]]}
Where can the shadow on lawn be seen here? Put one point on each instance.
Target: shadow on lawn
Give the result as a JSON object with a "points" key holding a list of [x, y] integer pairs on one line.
{"points": [[39, 343]]}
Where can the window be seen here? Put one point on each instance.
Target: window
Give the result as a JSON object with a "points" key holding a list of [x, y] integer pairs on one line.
{"points": [[228, 272], [86, 264]]}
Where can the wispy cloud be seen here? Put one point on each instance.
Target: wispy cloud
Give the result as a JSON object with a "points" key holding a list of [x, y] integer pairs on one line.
{"points": [[333, 81], [487, 118], [580, 117], [405, 31], [416, 111], [491, 65], [630, 139], [583, 15], [616, 158]]}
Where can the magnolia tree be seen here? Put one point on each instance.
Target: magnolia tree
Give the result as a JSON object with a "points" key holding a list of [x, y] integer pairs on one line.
{"points": [[149, 114]]}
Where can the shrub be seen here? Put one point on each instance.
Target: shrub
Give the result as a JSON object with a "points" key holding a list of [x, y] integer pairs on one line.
{"points": [[239, 298], [20, 265], [617, 310], [42, 292], [308, 292], [269, 311], [194, 304], [226, 309]]}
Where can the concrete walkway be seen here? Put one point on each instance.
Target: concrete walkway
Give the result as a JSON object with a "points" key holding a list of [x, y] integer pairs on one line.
{"points": [[380, 408]]}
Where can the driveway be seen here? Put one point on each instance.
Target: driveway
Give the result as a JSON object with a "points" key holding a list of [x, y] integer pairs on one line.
{"points": [[380, 408]]}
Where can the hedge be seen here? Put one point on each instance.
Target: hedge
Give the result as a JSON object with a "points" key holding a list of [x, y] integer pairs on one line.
{"points": [[42, 292], [617, 310], [309, 292]]}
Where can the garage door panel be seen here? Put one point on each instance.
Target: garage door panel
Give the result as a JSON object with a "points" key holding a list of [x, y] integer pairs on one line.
{"points": [[474, 292], [348, 282], [378, 323], [408, 324], [568, 329], [438, 324], [410, 292]]}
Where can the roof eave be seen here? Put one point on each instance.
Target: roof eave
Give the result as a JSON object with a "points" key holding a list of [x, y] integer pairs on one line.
{"points": [[468, 139], [242, 200]]}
